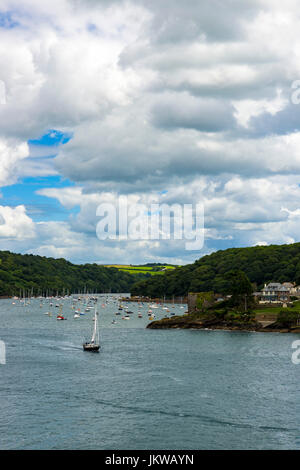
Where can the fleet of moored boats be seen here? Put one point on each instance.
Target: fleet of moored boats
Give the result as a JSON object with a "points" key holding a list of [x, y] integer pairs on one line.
{"points": [[82, 305]]}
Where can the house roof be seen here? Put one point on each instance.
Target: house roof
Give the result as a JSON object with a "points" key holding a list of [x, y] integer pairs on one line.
{"points": [[275, 286]]}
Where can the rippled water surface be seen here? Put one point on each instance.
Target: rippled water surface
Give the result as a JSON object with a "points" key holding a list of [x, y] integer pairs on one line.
{"points": [[146, 389]]}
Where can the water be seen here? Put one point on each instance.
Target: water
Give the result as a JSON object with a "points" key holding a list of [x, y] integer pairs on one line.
{"points": [[146, 389]]}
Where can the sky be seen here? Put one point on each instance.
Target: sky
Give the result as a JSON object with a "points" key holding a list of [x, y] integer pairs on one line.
{"points": [[172, 102]]}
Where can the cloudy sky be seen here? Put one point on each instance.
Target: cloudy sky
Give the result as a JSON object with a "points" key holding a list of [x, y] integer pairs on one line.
{"points": [[165, 101]]}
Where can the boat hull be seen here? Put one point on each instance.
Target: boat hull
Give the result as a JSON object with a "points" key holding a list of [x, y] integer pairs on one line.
{"points": [[91, 347]]}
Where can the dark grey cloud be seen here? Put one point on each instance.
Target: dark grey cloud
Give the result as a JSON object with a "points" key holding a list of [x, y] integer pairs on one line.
{"points": [[181, 110], [284, 122], [175, 20], [217, 20]]}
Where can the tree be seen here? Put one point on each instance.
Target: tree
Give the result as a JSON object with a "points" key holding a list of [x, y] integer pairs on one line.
{"points": [[204, 300], [261, 264], [241, 291], [40, 275]]}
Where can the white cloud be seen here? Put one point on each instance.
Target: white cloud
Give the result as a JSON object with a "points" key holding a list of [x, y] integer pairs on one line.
{"points": [[15, 223], [12, 152], [193, 100]]}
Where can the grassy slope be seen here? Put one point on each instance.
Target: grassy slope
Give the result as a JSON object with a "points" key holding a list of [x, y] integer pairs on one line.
{"points": [[151, 270]]}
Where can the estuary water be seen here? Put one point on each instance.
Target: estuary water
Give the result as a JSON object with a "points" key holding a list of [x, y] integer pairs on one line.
{"points": [[146, 389]]}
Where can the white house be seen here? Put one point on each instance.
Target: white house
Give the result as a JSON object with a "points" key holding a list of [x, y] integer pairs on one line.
{"points": [[276, 292]]}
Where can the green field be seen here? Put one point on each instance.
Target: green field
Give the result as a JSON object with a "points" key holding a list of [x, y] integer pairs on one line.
{"points": [[269, 310], [135, 269], [266, 310]]}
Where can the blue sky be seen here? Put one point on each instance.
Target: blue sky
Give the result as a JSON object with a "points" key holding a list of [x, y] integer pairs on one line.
{"points": [[25, 191], [158, 102], [7, 21], [52, 138], [39, 207]]}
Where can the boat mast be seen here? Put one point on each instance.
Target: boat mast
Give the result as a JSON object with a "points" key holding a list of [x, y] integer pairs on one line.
{"points": [[95, 332]]}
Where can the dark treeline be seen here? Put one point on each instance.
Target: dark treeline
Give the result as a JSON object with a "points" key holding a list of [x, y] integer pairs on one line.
{"points": [[38, 275], [262, 264]]}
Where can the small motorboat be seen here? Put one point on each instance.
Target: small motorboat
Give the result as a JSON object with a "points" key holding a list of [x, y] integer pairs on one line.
{"points": [[79, 312]]}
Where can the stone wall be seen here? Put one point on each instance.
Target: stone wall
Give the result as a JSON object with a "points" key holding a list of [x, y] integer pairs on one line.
{"points": [[192, 302]]}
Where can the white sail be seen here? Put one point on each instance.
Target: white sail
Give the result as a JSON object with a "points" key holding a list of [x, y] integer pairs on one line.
{"points": [[93, 345], [95, 327]]}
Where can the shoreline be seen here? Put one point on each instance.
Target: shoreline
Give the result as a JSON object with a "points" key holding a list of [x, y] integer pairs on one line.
{"points": [[156, 300], [185, 323]]}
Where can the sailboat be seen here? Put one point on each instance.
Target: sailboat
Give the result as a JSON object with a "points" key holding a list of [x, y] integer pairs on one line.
{"points": [[60, 315], [94, 344]]}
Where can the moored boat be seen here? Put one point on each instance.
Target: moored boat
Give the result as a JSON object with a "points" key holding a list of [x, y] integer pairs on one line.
{"points": [[60, 315]]}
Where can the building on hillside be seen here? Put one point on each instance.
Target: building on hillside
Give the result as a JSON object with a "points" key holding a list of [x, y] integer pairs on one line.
{"points": [[295, 291], [289, 285], [276, 292]]}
